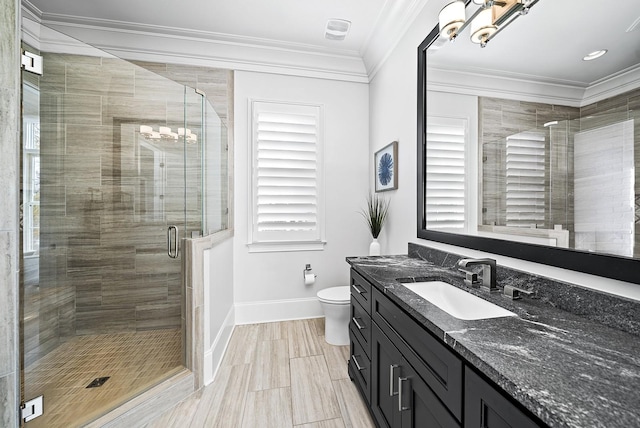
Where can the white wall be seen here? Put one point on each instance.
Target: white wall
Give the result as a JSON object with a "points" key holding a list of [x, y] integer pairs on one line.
{"points": [[393, 111], [219, 314], [269, 286]]}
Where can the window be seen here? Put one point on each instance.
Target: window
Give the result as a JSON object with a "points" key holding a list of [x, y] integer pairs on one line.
{"points": [[30, 202], [286, 176], [526, 180], [31, 185], [445, 182]]}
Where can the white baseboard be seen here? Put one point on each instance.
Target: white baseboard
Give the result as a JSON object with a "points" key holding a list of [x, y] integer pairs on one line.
{"points": [[277, 310], [213, 356]]}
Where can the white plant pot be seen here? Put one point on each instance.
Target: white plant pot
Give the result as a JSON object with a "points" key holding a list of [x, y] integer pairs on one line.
{"points": [[374, 248]]}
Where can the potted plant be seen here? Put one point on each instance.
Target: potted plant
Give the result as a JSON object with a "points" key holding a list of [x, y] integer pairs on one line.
{"points": [[375, 215]]}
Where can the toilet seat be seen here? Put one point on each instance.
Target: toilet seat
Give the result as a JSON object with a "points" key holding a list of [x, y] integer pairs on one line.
{"points": [[335, 295]]}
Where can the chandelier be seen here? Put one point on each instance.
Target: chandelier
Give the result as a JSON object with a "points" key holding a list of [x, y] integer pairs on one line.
{"points": [[166, 133], [491, 17]]}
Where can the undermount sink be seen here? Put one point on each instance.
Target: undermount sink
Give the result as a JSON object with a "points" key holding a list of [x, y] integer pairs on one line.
{"points": [[456, 302]]}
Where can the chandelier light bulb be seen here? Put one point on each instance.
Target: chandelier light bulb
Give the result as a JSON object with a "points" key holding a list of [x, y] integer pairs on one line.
{"points": [[482, 27], [451, 18]]}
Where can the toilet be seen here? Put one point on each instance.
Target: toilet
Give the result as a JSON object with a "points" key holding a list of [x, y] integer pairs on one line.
{"points": [[336, 306]]}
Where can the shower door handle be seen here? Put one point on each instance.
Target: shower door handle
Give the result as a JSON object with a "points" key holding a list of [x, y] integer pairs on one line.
{"points": [[172, 242]]}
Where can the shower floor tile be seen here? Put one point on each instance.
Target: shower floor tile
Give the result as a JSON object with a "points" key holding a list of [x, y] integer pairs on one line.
{"points": [[133, 362]]}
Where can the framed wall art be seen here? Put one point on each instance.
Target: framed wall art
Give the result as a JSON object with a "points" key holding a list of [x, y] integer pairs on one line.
{"points": [[386, 167]]}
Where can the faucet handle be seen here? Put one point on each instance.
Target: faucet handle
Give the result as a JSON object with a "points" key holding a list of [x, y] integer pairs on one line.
{"points": [[514, 292], [471, 278]]}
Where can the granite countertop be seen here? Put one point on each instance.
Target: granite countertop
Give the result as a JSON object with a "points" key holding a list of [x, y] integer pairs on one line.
{"points": [[568, 370]]}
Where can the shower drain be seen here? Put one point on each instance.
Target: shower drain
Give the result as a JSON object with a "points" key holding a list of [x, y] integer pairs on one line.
{"points": [[99, 381]]}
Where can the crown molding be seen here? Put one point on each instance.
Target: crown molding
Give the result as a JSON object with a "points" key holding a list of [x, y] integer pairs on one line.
{"points": [[30, 11], [393, 22], [174, 45], [505, 85], [288, 58], [168, 31], [624, 81], [500, 84]]}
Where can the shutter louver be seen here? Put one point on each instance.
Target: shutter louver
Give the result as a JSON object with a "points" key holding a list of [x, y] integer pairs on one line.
{"points": [[445, 183], [286, 172], [525, 193]]}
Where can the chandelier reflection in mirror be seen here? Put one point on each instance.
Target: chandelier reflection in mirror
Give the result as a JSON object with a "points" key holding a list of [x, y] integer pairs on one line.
{"points": [[166, 133], [491, 17]]}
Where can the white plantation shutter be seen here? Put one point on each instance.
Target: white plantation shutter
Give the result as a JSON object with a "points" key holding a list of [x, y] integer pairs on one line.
{"points": [[286, 173], [525, 179], [445, 184]]}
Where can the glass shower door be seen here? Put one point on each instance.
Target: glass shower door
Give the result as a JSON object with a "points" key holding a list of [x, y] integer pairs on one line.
{"points": [[109, 151]]}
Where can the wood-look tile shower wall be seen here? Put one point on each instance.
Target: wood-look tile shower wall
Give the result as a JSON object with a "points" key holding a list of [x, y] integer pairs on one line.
{"points": [[621, 107], [499, 118], [97, 276]]}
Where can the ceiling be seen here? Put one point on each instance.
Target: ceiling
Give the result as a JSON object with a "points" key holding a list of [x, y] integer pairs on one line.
{"points": [[296, 24], [545, 45]]}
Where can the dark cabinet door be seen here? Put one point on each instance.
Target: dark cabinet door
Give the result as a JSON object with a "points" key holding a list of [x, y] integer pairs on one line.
{"points": [[361, 324], [361, 290], [431, 358], [399, 396], [419, 406], [385, 365], [360, 366], [485, 407]]}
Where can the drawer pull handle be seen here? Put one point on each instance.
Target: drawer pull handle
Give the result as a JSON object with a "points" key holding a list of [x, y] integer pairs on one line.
{"points": [[355, 321], [392, 371], [401, 408], [355, 361], [359, 290]]}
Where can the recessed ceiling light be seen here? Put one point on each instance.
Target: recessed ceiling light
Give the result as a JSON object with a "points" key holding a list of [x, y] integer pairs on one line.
{"points": [[595, 54], [337, 29]]}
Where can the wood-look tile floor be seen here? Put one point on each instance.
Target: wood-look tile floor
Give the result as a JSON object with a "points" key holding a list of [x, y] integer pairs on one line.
{"points": [[276, 375], [133, 361]]}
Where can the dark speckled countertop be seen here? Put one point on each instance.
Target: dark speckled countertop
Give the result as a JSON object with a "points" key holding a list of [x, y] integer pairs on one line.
{"points": [[567, 369]]}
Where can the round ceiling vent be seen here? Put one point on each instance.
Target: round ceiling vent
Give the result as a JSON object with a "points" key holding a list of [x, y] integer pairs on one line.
{"points": [[337, 29]]}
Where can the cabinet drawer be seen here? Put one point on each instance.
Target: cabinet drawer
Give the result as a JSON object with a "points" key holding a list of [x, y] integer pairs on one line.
{"points": [[361, 325], [440, 368], [360, 366], [485, 406], [361, 290]]}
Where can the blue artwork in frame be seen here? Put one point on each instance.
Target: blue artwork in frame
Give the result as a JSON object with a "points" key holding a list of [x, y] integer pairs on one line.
{"points": [[386, 167]]}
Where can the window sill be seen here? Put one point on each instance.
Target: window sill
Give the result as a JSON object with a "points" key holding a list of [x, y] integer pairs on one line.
{"points": [[284, 246]]}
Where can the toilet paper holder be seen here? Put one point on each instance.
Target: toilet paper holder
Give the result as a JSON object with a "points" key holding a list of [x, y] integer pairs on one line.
{"points": [[307, 270]]}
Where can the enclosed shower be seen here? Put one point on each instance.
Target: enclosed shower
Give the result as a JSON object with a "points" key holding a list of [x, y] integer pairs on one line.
{"points": [[120, 162]]}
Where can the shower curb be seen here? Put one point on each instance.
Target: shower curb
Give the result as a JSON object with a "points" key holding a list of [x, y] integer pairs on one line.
{"points": [[149, 405]]}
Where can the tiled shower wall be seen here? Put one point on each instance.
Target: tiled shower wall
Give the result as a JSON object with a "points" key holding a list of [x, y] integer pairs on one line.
{"points": [[95, 275], [498, 119], [9, 108], [621, 107]]}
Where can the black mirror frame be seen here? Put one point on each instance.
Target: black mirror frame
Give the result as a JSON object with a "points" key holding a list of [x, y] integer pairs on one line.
{"points": [[608, 266]]}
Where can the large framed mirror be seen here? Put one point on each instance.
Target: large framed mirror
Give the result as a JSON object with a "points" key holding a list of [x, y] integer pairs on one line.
{"points": [[527, 149]]}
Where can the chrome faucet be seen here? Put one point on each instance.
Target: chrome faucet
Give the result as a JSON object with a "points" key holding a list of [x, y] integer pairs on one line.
{"points": [[488, 273]]}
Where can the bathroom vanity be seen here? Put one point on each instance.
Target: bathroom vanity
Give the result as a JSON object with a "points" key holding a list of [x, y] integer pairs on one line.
{"points": [[418, 366]]}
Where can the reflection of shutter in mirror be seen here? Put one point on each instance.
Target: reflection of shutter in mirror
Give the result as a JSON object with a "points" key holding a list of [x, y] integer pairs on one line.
{"points": [[526, 180], [445, 174]]}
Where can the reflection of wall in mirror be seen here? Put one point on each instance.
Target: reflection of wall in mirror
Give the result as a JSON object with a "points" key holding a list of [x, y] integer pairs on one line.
{"points": [[604, 193], [613, 110], [500, 118]]}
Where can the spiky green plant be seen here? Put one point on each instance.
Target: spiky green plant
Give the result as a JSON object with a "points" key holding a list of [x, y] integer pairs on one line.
{"points": [[376, 213]]}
